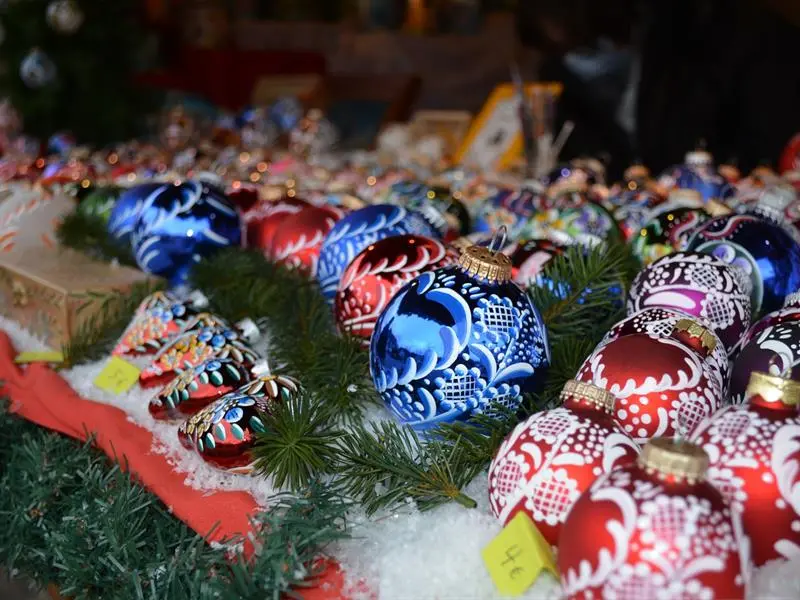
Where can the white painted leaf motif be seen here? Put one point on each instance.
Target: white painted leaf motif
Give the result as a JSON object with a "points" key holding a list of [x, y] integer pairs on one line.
{"points": [[785, 463]]}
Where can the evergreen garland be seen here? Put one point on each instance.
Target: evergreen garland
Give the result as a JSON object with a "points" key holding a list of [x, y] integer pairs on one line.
{"points": [[321, 434]]}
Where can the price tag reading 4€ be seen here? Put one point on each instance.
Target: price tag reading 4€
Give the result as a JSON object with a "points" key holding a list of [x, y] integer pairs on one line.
{"points": [[517, 556], [117, 376]]}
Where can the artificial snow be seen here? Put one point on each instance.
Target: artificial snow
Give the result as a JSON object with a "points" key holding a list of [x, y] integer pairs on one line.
{"points": [[395, 555]]}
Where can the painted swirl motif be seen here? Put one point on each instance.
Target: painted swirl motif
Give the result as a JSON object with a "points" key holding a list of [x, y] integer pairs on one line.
{"points": [[449, 345]]}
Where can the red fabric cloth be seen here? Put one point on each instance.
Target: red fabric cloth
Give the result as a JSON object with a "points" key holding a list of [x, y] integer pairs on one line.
{"points": [[40, 395]]}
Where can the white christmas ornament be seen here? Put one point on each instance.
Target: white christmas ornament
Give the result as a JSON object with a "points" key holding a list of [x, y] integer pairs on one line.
{"points": [[36, 69], [64, 16]]}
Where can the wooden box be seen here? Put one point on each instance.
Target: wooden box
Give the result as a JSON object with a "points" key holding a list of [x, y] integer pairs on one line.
{"points": [[51, 292]]}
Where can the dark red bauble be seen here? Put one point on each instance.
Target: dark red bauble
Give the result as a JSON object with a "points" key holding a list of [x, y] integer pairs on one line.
{"points": [[378, 272], [528, 258], [265, 218], [547, 461], [653, 529], [298, 240], [790, 159], [664, 386], [660, 322], [789, 312], [245, 197], [754, 451]]}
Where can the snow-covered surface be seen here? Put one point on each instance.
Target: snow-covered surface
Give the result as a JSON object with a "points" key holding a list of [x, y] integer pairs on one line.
{"points": [[400, 555]]}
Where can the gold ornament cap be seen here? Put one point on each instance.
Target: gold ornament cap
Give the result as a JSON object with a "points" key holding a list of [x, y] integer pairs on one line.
{"points": [[581, 390], [773, 389], [695, 329], [483, 263], [637, 171], [715, 208], [687, 197], [667, 457]]}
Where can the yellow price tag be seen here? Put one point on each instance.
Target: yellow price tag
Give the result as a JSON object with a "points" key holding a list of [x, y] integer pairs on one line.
{"points": [[517, 556], [46, 356], [117, 376]]}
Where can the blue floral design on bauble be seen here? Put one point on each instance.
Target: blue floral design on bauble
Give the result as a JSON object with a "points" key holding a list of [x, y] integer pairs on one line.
{"points": [[126, 210], [451, 344], [179, 225], [358, 230], [762, 249]]}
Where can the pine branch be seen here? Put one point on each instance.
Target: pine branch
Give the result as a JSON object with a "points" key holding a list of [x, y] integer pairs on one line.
{"points": [[89, 234], [386, 464], [97, 334], [299, 443]]}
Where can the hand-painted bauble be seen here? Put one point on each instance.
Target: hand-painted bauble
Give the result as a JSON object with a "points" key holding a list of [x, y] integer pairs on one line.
{"points": [[264, 220], [358, 230], [99, 202], [243, 197], [661, 322], [378, 272], [550, 459], [589, 224], [159, 317], [710, 185], [37, 69], [512, 209], [286, 113], [529, 257], [696, 161], [789, 312], [779, 204], [633, 210], [179, 226], [125, 211], [457, 341], [204, 338], [653, 529], [753, 451], [457, 219], [298, 240], [223, 433], [61, 143], [199, 386], [699, 285], [664, 386], [768, 254], [730, 172], [668, 230], [775, 349], [64, 16]]}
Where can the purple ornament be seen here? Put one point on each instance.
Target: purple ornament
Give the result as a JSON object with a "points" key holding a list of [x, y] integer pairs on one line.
{"points": [[774, 350], [789, 312], [700, 286]]}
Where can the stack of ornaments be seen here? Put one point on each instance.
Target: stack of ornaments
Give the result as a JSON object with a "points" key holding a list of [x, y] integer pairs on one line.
{"points": [[670, 469], [206, 376]]}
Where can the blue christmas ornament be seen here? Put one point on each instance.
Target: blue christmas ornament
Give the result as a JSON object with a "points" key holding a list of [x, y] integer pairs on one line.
{"points": [[358, 230], [286, 113], [709, 185], [61, 144], [512, 209], [127, 208], [457, 341], [178, 225], [763, 249]]}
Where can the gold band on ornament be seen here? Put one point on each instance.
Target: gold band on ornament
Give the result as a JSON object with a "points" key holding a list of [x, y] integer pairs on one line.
{"points": [[587, 391]]}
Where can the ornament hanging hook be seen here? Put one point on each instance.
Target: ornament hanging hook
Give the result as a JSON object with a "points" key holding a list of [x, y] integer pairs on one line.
{"points": [[499, 239]]}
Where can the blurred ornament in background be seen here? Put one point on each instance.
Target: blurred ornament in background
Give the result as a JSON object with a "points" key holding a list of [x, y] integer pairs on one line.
{"points": [[563, 449], [668, 229], [730, 172], [313, 134], [790, 158], [61, 144], [768, 254], [99, 202], [180, 225], [699, 285], [177, 128], [255, 128], [530, 257], [358, 230], [297, 242], [64, 16], [632, 209], [286, 113], [458, 341], [37, 69], [378, 272], [126, 210]]}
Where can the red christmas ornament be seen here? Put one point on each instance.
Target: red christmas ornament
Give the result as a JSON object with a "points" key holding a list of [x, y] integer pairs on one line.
{"points": [[529, 257], [378, 272], [298, 240], [265, 218], [199, 386], [790, 159], [224, 432], [245, 197], [548, 461], [206, 337], [660, 322], [158, 319], [653, 529], [664, 386], [754, 452]]}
